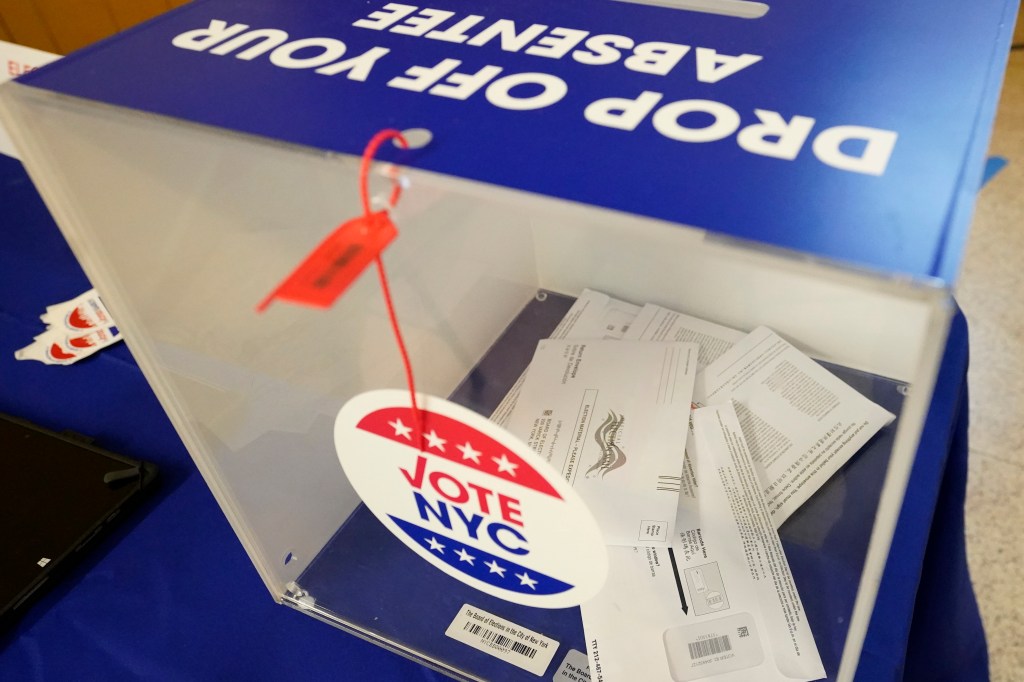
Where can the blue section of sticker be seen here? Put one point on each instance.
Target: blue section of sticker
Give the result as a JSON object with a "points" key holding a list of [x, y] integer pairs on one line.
{"points": [[482, 565]]}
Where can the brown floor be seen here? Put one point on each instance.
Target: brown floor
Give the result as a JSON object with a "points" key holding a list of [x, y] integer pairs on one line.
{"points": [[991, 293]]}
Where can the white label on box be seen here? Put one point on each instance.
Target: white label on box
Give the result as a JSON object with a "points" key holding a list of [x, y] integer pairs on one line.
{"points": [[575, 668], [503, 639], [709, 648]]}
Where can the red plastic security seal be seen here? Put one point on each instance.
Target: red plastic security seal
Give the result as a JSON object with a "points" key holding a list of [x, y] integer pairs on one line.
{"points": [[332, 266]]}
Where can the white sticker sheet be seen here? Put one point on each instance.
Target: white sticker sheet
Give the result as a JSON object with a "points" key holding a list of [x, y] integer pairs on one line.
{"points": [[611, 416], [75, 329], [720, 603]]}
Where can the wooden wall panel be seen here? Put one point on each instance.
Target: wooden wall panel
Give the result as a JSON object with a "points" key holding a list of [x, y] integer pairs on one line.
{"points": [[127, 14], [26, 25], [62, 26], [76, 23]]}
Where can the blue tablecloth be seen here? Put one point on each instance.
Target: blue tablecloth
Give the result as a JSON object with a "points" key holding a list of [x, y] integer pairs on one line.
{"points": [[171, 595]]}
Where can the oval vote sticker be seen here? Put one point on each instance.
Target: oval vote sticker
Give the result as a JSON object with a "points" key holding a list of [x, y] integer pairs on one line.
{"points": [[474, 501]]}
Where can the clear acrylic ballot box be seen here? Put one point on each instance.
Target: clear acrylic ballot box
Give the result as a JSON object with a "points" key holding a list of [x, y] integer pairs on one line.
{"points": [[806, 167]]}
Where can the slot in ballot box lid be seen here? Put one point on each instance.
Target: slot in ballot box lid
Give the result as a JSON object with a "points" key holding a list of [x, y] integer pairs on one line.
{"points": [[853, 131]]}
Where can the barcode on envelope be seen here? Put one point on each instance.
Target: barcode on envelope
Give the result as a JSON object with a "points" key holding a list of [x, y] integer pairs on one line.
{"points": [[499, 640], [709, 647]]}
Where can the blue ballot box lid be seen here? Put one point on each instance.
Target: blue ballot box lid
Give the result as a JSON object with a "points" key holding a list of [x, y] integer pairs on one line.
{"points": [[849, 130]]}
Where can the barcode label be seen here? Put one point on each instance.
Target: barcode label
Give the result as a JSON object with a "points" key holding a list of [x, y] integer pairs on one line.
{"points": [[500, 641], [503, 639], [709, 647]]}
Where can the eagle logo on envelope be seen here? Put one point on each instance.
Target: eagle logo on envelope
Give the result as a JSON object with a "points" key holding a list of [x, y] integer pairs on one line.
{"points": [[612, 456], [473, 500]]}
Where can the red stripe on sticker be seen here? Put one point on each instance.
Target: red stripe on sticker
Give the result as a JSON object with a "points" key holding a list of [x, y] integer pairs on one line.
{"points": [[58, 353], [82, 341], [78, 320], [454, 441]]}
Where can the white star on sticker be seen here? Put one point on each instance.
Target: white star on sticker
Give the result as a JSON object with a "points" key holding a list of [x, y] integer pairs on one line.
{"points": [[495, 568], [401, 429], [525, 579], [435, 441], [435, 545], [469, 453], [504, 465], [465, 556]]}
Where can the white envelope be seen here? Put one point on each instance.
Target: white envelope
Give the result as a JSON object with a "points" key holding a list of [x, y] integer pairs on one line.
{"points": [[592, 316], [654, 323], [612, 417], [718, 604]]}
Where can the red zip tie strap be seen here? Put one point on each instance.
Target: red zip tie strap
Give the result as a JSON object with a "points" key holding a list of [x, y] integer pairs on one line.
{"points": [[364, 173], [335, 263]]}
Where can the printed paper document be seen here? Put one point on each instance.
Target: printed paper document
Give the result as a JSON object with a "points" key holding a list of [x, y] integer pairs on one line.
{"points": [[800, 421], [655, 323]]}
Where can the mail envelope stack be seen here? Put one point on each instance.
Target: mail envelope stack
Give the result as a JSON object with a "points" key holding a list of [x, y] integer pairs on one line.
{"points": [[691, 443]]}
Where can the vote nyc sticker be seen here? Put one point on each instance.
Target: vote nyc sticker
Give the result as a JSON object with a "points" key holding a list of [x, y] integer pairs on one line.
{"points": [[474, 501]]}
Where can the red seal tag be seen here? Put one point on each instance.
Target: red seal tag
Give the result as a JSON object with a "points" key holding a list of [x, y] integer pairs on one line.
{"points": [[333, 265]]}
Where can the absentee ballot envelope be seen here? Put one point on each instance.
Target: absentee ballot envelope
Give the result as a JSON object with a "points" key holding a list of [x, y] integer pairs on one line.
{"points": [[612, 417], [720, 604]]}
